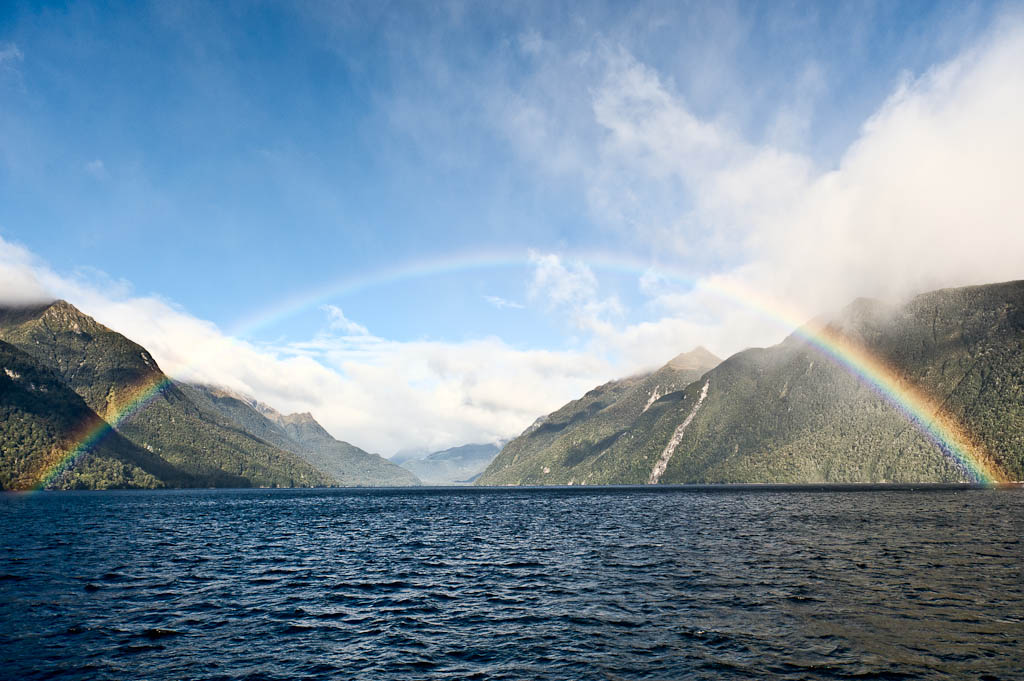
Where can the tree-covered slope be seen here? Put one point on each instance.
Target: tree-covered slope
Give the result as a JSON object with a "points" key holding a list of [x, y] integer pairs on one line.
{"points": [[553, 449], [42, 424], [792, 413], [301, 434], [111, 373]]}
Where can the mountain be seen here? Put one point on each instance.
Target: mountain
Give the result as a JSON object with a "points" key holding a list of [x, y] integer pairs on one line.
{"points": [[453, 466], [557, 448], [300, 434], [42, 421], [116, 376], [792, 413]]}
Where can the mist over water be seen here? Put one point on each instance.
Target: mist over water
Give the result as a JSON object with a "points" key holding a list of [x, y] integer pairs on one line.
{"points": [[620, 583]]}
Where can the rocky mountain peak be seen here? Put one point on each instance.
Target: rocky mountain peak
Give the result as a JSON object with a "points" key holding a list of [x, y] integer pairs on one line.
{"points": [[61, 315]]}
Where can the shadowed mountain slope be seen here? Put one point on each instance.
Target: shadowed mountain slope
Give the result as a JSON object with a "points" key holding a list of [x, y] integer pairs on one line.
{"points": [[42, 422]]}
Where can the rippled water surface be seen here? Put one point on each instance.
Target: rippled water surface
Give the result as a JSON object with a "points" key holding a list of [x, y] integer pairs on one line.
{"points": [[513, 584]]}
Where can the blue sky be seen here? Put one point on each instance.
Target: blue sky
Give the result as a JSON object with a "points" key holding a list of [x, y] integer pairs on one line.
{"points": [[221, 158]]}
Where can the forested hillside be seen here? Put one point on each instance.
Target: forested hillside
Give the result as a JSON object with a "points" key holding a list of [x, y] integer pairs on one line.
{"points": [[792, 413]]}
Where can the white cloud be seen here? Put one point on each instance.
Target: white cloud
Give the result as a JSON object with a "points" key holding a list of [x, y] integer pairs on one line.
{"points": [[22, 276], [571, 288], [338, 321], [97, 169], [436, 394], [927, 195], [560, 283], [502, 304], [379, 394]]}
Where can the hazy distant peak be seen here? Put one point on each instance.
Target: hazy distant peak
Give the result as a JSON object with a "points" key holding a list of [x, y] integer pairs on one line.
{"points": [[221, 391], [261, 408], [300, 418], [698, 359], [303, 420], [865, 309], [301, 426]]}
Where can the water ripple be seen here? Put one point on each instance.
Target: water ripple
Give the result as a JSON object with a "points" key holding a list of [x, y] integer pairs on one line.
{"points": [[513, 584]]}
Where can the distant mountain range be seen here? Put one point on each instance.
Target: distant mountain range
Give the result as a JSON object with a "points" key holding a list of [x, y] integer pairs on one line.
{"points": [[65, 375], [793, 414], [300, 434], [454, 466]]}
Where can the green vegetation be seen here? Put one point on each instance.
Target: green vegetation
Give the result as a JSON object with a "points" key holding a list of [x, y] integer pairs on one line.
{"points": [[563, 447], [791, 414], [109, 371], [42, 421], [300, 434]]}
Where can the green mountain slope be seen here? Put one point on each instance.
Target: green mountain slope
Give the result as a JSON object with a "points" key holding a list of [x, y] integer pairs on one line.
{"points": [[561, 447], [790, 413], [302, 435], [42, 422], [111, 373], [456, 465]]}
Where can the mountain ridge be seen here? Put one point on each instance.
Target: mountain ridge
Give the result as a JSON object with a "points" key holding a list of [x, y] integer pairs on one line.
{"points": [[303, 435]]}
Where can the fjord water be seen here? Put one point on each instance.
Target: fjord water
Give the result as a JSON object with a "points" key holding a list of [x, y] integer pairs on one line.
{"points": [[617, 583]]}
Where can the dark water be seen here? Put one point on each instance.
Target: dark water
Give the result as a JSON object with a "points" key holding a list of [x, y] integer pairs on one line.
{"points": [[511, 584]]}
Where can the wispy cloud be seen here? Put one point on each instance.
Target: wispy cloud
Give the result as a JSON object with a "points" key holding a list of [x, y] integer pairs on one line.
{"points": [[339, 322], [9, 55], [502, 304], [924, 197], [561, 283], [571, 288], [97, 169]]}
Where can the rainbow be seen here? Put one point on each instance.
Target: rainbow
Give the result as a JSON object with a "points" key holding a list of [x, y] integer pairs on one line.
{"points": [[94, 433], [447, 264], [922, 411]]}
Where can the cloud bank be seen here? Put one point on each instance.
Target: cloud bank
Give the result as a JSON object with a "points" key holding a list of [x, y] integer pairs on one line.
{"points": [[378, 394], [926, 196]]}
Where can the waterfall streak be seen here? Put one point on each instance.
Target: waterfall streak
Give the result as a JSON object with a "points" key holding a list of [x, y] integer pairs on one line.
{"points": [[677, 437]]}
